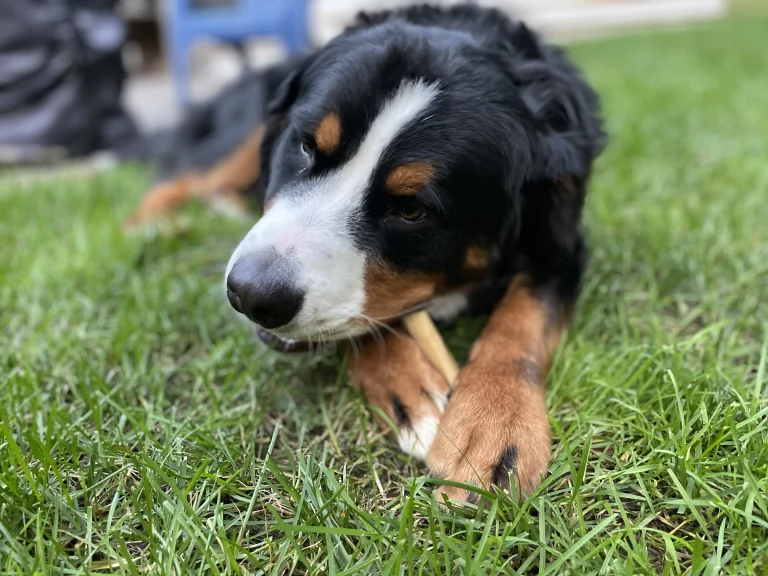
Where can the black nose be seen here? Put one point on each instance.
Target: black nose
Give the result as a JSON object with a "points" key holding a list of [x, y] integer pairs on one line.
{"points": [[261, 287]]}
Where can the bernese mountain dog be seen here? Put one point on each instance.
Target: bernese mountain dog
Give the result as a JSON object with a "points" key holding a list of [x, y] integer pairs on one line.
{"points": [[438, 158]]}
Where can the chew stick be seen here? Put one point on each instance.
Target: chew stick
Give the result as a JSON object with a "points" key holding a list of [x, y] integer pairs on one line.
{"points": [[423, 330]]}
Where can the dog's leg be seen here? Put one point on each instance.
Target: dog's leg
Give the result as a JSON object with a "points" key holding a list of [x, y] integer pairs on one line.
{"points": [[495, 425], [226, 181], [238, 171], [164, 197], [396, 377]]}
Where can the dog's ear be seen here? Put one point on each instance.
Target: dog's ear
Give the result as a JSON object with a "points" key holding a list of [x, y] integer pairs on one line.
{"points": [[285, 92], [567, 135], [564, 108]]}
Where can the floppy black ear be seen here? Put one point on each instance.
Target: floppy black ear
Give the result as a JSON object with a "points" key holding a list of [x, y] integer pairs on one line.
{"points": [[286, 84], [563, 105], [567, 137]]}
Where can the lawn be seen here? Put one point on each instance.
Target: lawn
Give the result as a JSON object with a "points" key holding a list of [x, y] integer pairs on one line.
{"points": [[142, 430]]}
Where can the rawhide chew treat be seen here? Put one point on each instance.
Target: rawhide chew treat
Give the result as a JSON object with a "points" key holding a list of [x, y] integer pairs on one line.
{"points": [[424, 331]]}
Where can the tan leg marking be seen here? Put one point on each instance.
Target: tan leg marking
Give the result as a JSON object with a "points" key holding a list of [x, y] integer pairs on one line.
{"points": [[397, 378], [163, 198], [227, 180], [496, 422], [237, 171]]}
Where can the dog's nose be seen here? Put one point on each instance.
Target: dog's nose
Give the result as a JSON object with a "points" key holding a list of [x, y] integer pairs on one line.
{"points": [[259, 287]]}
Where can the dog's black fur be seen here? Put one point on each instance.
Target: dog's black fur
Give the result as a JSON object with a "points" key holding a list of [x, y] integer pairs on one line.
{"points": [[499, 132], [512, 144]]}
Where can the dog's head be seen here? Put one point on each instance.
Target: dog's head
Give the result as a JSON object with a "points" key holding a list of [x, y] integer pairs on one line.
{"points": [[397, 158]]}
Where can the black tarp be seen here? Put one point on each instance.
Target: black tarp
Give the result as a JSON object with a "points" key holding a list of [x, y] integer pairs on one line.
{"points": [[61, 75]]}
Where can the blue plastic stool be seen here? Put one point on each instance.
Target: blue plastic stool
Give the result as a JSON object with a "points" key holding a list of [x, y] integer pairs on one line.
{"points": [[245, 19]]}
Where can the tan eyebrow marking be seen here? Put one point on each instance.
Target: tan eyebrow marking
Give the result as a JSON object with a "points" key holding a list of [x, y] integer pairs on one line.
{"points": [[409, 179], [328, 134]]}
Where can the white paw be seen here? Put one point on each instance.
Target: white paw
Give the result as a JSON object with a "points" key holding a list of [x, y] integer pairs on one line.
{"points": [[415, 438]]}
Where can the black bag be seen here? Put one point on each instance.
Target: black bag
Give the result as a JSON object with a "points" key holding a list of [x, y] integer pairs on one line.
{"points": [[61, 76]]}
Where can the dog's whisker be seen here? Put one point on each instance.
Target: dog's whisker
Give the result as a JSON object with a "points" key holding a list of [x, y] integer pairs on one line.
{"points": [[355, 347], [378, 338], [377, 324], [375, 331], [399, 315]]}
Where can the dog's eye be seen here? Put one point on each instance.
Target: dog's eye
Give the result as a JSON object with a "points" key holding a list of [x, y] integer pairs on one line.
{"points": [[410, 214], [307, 154]]}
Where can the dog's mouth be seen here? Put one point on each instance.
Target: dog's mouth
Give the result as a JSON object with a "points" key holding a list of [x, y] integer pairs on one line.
{"points": [[290, 346], [284, 345], [357, 327]]}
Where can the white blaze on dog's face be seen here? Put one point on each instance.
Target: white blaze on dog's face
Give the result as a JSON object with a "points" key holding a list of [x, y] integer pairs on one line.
{"points": [[302, 271]]}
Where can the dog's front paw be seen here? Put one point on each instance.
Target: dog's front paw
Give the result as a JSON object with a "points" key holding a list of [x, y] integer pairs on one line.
{"points": [[494, 430], [397, 378]]}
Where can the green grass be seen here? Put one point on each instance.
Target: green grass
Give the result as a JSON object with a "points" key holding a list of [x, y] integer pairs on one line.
{"points": [[143, 431]]}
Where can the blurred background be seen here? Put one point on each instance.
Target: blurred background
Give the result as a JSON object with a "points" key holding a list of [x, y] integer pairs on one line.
{"points": [[214, 64], [78, 76]]}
